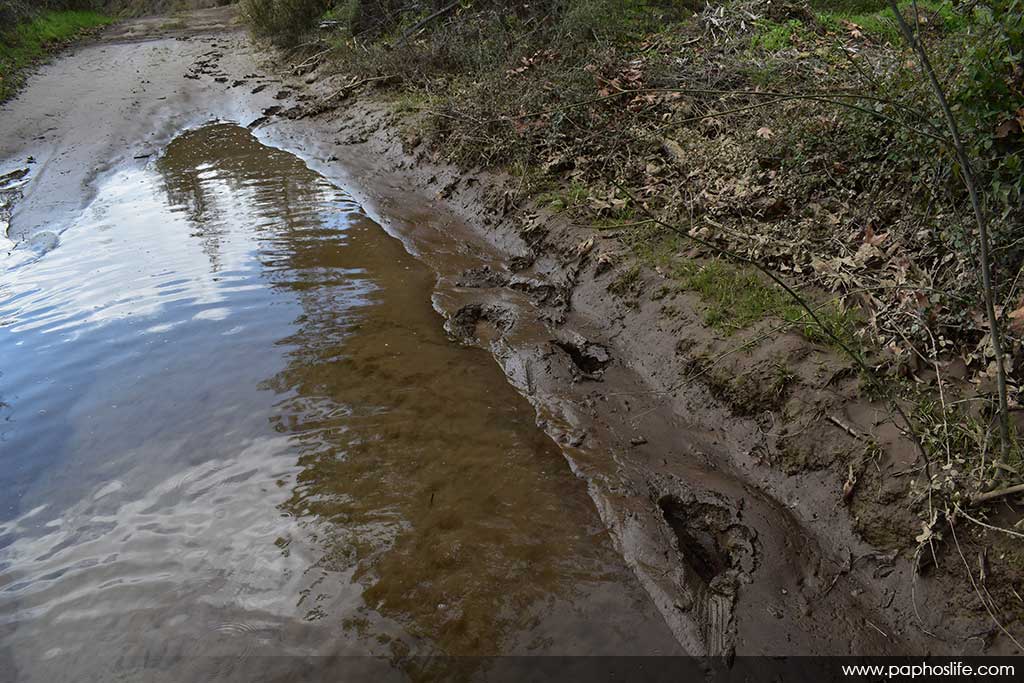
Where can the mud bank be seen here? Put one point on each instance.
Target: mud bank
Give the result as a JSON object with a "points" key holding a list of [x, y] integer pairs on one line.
{"points": [[741, 556], [738, 556]]}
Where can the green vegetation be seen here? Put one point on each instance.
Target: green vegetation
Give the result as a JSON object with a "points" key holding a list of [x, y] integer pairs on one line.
{"points": [[626, 281], [30, 40], [284, 20], [772, 36], [736, 296], [559, 200], [877, 21]]}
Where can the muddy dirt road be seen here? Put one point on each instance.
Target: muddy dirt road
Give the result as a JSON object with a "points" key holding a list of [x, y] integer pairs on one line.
{"points": [[234, 423]]}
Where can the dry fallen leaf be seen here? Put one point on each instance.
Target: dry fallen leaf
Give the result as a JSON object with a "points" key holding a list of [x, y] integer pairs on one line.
{"points": [[765, 133], [1007, 128], [871, 238], [849, 485], [853, 29], [1017, 319], [584, 247]]}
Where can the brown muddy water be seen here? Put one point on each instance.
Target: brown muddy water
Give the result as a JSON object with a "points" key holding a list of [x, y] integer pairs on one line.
{"points": [[232, 427]]}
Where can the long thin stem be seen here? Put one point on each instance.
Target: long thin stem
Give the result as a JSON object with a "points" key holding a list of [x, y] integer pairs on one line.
{"points": [[967, 173]]}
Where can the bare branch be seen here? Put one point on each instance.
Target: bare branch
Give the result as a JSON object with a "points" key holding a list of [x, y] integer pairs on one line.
{"points": [[967, 173]]}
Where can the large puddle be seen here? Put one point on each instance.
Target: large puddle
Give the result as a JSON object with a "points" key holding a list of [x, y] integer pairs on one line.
{"points": [[232, 426]]}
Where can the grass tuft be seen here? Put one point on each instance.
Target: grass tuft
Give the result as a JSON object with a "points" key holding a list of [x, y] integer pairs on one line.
{"points": [[772, 36]]}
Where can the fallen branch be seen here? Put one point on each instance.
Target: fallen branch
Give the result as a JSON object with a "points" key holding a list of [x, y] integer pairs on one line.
{"points": [[309, 61], [419, 25], [998, 493], [344, 90], [845, 427]]}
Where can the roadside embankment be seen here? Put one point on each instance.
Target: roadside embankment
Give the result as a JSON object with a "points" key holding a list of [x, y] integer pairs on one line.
{"points": [[756, 210]]}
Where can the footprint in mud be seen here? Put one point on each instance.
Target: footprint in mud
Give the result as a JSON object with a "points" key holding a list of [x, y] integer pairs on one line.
{"points": [[10, 192], [589, 358], [466, 325], [40, 243], [482, 278], [10, 180], [711, 541], [485, 277]]}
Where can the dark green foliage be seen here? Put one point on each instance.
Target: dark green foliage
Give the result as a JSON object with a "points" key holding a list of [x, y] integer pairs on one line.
{"points": [[286, 21], [989, 96]]}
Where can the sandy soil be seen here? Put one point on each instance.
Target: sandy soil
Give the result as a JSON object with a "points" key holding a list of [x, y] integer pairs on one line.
{"points": [[739, 557]]}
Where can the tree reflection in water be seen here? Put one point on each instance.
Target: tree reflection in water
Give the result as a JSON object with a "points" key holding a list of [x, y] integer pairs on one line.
{"points": [[423, 478]]}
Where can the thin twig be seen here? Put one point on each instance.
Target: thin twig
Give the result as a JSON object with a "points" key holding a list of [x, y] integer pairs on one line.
{"points": [[970, 573], [845, 427], [990, 527]]}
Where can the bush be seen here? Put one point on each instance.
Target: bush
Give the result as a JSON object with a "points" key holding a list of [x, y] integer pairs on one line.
{"points": [[989, 96], [285, 21], [13, 11]]}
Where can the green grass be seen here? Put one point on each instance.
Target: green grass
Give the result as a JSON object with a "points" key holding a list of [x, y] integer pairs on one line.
{"points": [[737, 296], [877, 21], [410, 102], [31, 40], [561, 199], [874, 17], [624, 20], [772, 36]]}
